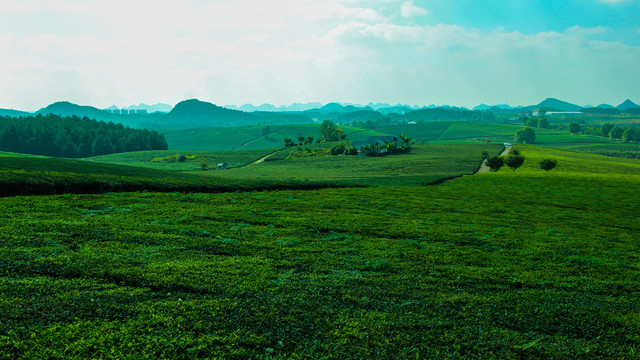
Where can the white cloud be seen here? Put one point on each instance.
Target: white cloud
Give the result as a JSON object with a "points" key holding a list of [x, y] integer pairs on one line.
{"points": [[409, 10], [236, 51], [13, 6]]}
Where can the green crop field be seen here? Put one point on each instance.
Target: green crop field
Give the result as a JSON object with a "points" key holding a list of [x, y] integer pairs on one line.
{"points": [[23, 175], [167, 159], [212, 139], [508, 265], [421, 131], [251, 137], [425, 164]]}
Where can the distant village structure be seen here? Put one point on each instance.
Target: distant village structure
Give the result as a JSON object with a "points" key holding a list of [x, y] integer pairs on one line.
{"points": [[126, 112]]}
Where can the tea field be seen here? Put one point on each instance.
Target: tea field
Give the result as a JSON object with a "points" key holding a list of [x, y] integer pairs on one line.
{"points": [[526, 264], [425, 164]]}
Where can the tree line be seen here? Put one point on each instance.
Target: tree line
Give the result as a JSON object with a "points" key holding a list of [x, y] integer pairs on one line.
{"points": [[73, 137]]}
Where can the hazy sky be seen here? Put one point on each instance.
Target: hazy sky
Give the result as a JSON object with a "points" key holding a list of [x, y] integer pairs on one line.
{"points": [[458, 52]]}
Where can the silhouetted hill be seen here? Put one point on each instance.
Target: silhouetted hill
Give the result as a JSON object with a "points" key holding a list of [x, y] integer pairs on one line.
{"points": [[65, 108], [627, 104], [605, 106], [195, 113], [552, 103], [14, 113], [332, 107]]}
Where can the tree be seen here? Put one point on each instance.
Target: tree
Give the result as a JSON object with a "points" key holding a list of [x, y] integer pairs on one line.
{"points": [[204, 165], [543, 123], [329, 132], [514, 161], [616, 132], [495, 163], [547, 164], [629, 135], [288, 142], [301, 140], [525, 135], [309, 140], [605, 129], [575, 128]]}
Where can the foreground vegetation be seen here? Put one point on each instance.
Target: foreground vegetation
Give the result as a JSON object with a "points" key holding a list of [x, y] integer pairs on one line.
{"points": [[527, 264]]}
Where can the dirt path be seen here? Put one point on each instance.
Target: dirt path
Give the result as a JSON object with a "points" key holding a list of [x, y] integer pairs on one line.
{"points": [[249, 142], [261, 159], [484, 168]]}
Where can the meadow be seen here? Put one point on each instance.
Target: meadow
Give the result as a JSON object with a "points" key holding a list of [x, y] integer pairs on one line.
{"points": [[526, 264], [425, 164]]}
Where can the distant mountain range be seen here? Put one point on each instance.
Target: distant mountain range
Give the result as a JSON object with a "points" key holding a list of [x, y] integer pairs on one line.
{"points": [[195, 113]]}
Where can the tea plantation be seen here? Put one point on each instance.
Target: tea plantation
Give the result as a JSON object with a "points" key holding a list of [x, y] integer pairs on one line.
{"points": [[526, 264]]}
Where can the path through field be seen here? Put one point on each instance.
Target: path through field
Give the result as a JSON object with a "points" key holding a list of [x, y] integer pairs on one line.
{"points": [[261, 159], [484, 168]]}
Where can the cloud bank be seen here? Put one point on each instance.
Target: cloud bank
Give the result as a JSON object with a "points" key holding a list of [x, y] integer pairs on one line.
{"points": [[123, 52]]}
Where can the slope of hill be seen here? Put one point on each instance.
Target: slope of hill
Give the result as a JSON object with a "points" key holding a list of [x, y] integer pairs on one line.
{"points": [[65, 108], [627, 104], [14, 113], [200, 114], [553, 104]]}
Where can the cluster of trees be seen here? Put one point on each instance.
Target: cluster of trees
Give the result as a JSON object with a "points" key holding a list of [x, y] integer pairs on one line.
{"points": [[73, 137], [535, 122], [401, 147], [626, 134], [330, 132], [525, 135], [288, 142], [515, 160]]}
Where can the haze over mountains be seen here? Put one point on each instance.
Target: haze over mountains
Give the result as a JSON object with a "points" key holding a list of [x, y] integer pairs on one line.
{"points": [[194, 113]]}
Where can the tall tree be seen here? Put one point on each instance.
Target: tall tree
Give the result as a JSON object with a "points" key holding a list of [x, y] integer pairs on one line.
{"points": [[525, 135]]}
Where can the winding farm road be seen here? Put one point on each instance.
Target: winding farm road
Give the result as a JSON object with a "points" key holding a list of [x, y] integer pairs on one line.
{"points": [[485, 169]]}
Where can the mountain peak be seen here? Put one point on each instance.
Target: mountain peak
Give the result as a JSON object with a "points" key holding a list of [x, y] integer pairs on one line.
{"points": [[554, 103], [627, 104]]}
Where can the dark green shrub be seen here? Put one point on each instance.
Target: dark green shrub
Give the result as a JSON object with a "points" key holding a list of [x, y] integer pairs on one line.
{"points": [[495, 163], [514, 161], [547, 164]]}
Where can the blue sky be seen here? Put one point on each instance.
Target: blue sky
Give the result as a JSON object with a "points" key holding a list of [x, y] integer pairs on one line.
{"points": [[458, 52]]}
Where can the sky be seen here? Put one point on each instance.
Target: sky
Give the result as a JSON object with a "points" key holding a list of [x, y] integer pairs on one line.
{"points": [[420, 52]]}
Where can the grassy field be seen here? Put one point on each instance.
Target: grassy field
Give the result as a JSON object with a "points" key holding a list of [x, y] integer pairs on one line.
{"points": [[23, 175], [525, 264], [193, 162], [424, 165], [212, 139]]}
